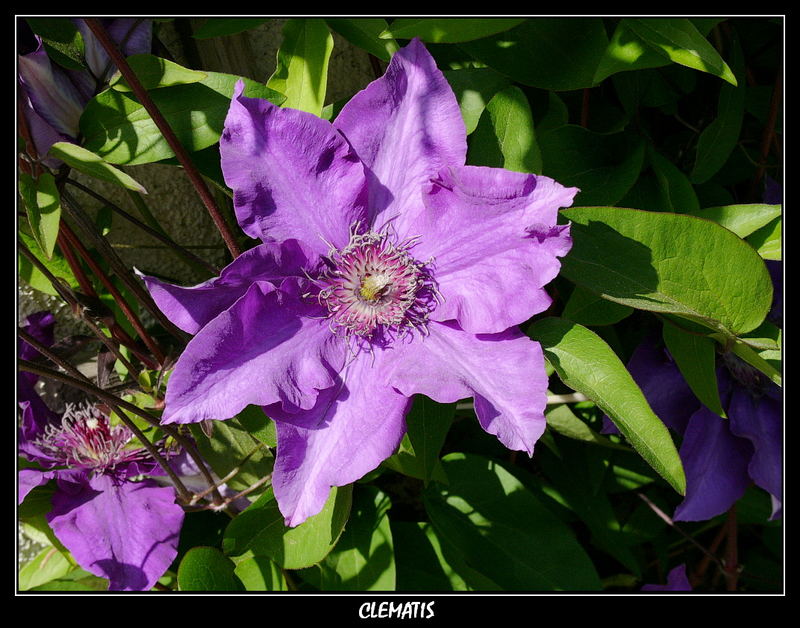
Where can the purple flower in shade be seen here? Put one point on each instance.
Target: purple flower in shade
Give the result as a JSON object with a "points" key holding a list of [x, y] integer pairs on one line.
{"points": [[387, 268], [116, 525], [721, 457], [53, 97], [676, 581]]}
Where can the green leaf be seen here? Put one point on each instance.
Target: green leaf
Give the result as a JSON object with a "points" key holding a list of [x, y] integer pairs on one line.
{"points": [[207, 569], [625, 52], [585, 363], [741, 219], [563, 420], [696, 359], [448, 30], [62, 41], [427, 427], [669, 263], [363, 559], [232, 446], [757, 359], [364, 33], [474, 87], [259, 573], [89, 163], [43, 204], [587, 308], [154, 72], [676, 193], [578, 474], [219, 27], [767, 240], [49, 564], [302, 71], [502, 531], [119, 129], [550, 53], [604, 167], [33, 277], [719, 138], [505, 137], [420, 565], [260, 529], [680, 41]]}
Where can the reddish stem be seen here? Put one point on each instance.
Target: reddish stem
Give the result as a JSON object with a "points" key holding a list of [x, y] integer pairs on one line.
{"points": [[163, 126]]}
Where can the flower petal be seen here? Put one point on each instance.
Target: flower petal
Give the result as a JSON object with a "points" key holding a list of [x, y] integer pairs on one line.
{"points": [[715, 462], [759, 420], [28, 479], [52, 95], [405, 126], [354, 426], [503, 372], [125, 532], [191, 308], [292, 174], [676, 581], [268, 347], [493, 237]]}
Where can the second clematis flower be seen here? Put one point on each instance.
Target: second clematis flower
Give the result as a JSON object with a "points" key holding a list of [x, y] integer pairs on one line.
{"points": [[387, 268]]}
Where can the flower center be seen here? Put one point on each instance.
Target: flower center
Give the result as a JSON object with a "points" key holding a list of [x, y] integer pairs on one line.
{"points": [[84, 438], [745, 375], [374, 286]]}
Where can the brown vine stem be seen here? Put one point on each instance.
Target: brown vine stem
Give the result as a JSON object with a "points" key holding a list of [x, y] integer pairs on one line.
{"points": [[78, 308], [768, 134], [188, 256], [118, 298], [106, 251], [180, 152]]}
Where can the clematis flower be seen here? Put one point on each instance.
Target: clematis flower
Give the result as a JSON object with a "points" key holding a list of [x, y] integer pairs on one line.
{"points": [[721, 457], [53, 97], [387, 268], [676, 581], [115, 524]]}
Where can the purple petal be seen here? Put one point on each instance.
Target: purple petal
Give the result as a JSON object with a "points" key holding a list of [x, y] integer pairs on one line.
{"points": [[41, 326], [52, 95], [405, 126], [28, 479], [715, 462], [665, 389], [292, 174], [354, 426], [132, 35], [191, 308], [35, 418], [493, 237], [125, 532], [268, 347], [503, 372], [676, 581], [760, 421]]}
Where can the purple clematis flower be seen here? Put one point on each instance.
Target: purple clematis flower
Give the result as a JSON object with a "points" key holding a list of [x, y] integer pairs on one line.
{"points": [[676, 581], [53, 97], [116, 525], [387, 268], [721, 457]]}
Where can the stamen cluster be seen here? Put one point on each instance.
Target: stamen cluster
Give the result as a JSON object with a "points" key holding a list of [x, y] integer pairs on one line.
{"points": [[374, 286], [86, 439]]}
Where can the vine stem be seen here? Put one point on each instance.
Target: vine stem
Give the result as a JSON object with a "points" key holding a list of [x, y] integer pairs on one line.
{"points": [[77, 307], [180, 152], [188, 256]]}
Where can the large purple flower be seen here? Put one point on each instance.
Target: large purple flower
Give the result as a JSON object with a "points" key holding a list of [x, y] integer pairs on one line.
{"points": [[116, 525], [387, 268]]}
